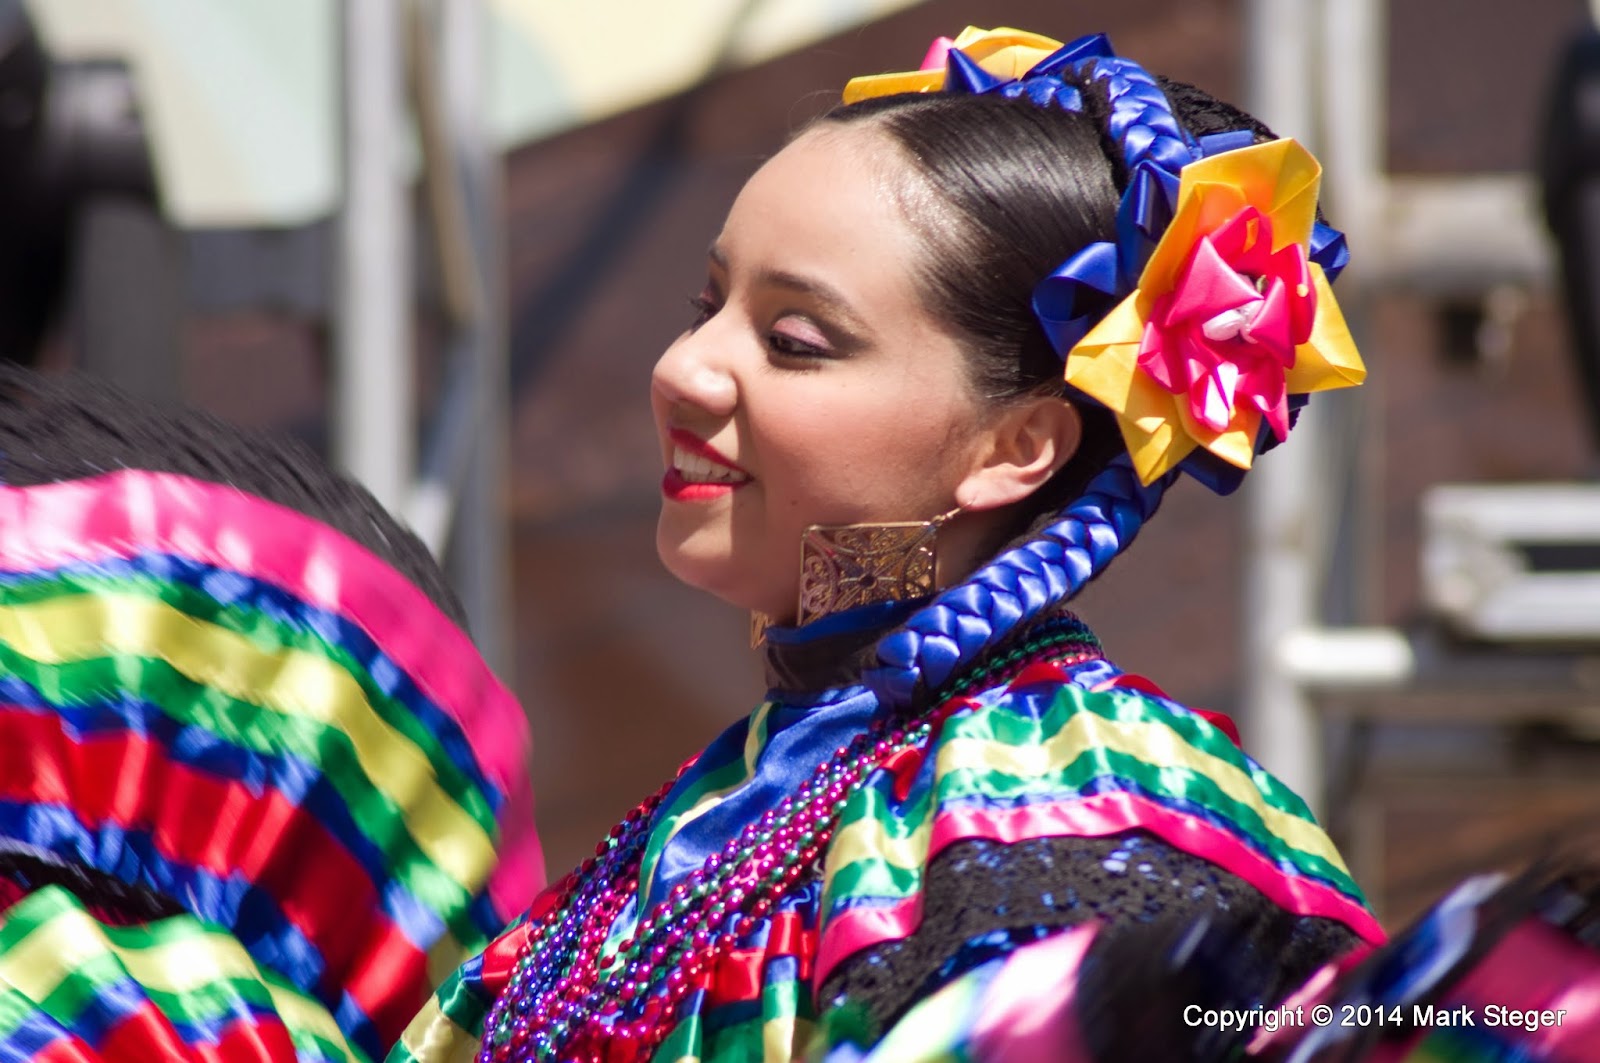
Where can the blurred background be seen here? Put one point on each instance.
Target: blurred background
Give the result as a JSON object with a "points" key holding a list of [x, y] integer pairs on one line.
{"points": [[445, 240]]}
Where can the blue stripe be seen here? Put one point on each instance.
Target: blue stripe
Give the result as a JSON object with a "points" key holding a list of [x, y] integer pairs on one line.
{"points": [[232, 588], [36, 1032], [247, 912], [231, 902], [297, 780]]}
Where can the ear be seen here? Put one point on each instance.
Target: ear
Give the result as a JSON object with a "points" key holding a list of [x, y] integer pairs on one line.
{"points": [[1027, 444]]}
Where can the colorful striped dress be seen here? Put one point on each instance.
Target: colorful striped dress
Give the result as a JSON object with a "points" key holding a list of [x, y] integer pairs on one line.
{"points": [[1044, 791], [219, 703]]}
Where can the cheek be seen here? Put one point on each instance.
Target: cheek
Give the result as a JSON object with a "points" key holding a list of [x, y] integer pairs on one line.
{"points": [[863, 455]]}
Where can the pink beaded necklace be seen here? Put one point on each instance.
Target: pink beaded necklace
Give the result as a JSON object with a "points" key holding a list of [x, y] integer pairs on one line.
{"points": [[567, 999]]}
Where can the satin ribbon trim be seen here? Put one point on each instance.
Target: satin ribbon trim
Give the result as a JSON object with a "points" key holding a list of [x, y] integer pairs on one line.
{"points": [[701, 791], [1153, 747], [273, 617], [333, 871], [1071, 749], [371, 831], [291, 684], [849, 930], [48, 939], [125, 512], [143, 1036]]}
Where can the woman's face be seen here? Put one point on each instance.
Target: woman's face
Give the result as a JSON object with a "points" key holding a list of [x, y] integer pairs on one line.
{"points": [[813, 386]]}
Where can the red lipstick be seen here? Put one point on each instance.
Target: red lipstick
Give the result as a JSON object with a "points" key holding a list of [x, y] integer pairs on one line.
{"points": [[679, 489]]}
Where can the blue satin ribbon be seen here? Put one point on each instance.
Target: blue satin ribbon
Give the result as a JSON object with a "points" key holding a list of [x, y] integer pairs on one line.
{"points": [[798, 739]]}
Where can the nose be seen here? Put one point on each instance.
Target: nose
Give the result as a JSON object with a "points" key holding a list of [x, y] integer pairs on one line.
{"points": [[695, 372]]}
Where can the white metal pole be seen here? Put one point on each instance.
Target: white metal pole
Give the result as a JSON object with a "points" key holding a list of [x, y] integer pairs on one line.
{"points": [[1279, 595], [374, 424], [1353, 80], [481, 548]]}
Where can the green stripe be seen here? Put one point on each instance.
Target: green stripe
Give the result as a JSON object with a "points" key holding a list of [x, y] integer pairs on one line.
{"points": [[878, 877], [872, 878], [80, 986], [683, 1040], [739, 1042], [271, 635], [463, 1004], [784, 999], [1172, 782], [1123, 707], [70, 997], [264, 731]]}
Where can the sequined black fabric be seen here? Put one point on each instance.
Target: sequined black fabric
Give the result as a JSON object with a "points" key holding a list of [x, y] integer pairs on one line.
{"points": [[983, 899]]}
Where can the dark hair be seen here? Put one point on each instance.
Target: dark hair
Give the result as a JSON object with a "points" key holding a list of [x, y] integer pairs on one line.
{"points": [[1023, 188], [69, 428], [27, 869]]}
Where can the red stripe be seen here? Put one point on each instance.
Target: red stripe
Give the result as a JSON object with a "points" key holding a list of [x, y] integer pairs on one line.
{"points": [[1535, 967], [123, 513], [146, 1035], [390, 983], [1095, 816], [67, 1049], [142, 1036], [739, 974], [250, 1042], [501, 956], [216, 825]]}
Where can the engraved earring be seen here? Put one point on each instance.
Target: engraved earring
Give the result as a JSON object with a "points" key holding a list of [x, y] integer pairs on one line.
{"points": [[846, 565]]}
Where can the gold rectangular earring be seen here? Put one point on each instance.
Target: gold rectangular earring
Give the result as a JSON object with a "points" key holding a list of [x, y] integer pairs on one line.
{"points": [[846, 565]]}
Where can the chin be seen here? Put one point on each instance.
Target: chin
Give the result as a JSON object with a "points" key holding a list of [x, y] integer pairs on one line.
{"points": [[694, 564], [712, 569]]}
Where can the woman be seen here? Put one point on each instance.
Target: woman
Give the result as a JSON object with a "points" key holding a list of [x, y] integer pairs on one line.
{"points": [[867, 441], [253, 773]]}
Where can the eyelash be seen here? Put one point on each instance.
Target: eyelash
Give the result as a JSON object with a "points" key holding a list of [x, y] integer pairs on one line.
{"points": [[705, 308]]}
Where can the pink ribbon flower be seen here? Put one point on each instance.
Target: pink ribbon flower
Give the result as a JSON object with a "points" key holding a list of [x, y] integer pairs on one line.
{"points": [[1226, 334], [1229, 318]]}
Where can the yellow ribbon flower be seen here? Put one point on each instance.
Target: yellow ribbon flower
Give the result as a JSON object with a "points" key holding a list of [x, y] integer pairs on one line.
{"points": [[1280, 180]]}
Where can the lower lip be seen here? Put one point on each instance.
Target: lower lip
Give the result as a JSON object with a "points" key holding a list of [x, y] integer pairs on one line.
{"points": [[675, 487]]}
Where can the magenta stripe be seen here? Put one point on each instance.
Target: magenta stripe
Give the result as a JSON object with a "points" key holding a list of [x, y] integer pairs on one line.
{"points": [[124, 513], [1095, 816]]}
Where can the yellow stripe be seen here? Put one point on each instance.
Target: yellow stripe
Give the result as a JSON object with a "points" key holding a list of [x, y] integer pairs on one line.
{"points": [[1155, 745], [866, 839], [433, 1037], [290, 682], [784, 1039], [38, 963]]}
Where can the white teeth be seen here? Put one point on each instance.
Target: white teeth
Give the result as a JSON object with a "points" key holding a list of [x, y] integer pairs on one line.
{"points": [[698, 469]]}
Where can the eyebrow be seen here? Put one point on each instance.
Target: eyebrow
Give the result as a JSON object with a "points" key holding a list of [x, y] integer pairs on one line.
{"points": [[828, 296]]}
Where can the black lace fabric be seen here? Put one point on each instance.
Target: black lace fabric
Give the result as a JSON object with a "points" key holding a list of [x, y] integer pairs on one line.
{"points": [[984, 898]]}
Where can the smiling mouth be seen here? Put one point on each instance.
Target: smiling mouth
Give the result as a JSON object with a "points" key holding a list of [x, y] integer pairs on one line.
{"points": [[698, 472], [700, 469]]}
